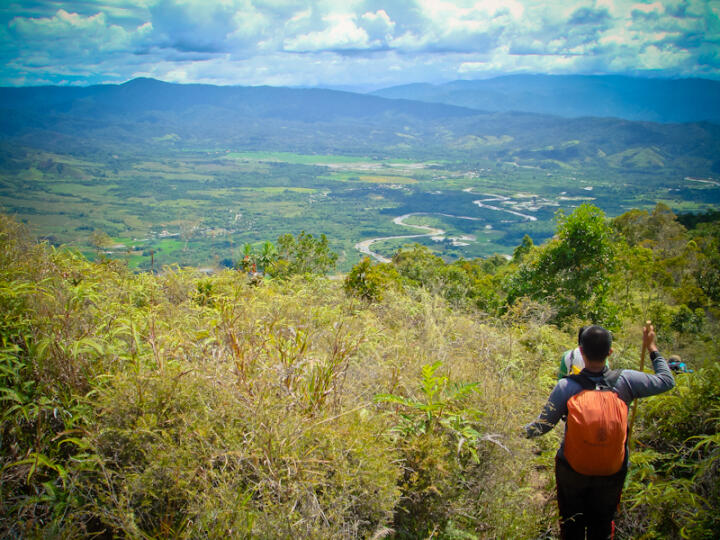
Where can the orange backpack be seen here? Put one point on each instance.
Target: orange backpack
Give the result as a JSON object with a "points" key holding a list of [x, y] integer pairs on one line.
{"points": [[596, 428]]}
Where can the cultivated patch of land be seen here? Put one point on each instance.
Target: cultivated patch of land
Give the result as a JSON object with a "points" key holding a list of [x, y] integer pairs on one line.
{"points": [[200, 207]]}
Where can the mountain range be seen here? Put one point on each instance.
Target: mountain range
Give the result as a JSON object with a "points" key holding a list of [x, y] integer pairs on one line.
{"points": [[631, 98], [145, 112]]}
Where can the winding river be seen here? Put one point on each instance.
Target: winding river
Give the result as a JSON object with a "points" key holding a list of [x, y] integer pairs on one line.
{"points": [[364, 246]]}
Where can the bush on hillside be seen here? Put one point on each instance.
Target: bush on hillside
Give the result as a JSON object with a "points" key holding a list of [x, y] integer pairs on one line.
{"points": [[673, 488], [572, 271], [301, 254], [369, 281]]}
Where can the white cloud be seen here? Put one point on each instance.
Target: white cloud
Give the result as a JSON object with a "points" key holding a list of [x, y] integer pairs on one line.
{"points": [[472, 67], [654, 57], [194, 25], [378, 25], [459, 26], [357, 41], [67, 35], [341, 32]]}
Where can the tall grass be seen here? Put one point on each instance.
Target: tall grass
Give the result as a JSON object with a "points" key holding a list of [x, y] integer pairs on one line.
{"points": [[184, 406], [191, 407]]}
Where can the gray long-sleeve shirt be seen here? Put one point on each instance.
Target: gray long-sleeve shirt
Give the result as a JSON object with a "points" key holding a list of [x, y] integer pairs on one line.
{"points": [[630, 385]]}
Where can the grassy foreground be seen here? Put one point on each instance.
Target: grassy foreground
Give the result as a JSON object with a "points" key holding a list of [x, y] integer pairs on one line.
{"points": [[186, 406]]}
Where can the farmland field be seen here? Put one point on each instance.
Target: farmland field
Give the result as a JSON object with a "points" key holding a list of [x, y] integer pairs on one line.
{"points": [[198, 207]]}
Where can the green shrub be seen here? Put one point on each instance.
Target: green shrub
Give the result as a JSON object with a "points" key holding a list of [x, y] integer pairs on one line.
{"points": [[370, 281], [572, 271], [672, 489]]}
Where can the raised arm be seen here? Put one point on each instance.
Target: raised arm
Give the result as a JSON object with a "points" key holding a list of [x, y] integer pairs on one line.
{"points": [[635, 384]]}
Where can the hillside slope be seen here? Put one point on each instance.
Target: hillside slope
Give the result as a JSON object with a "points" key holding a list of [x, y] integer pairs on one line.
{"points": [[180, 405]]}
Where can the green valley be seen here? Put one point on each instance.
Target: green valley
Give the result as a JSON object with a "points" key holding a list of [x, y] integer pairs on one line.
{"points": [[198, 207], [157, 174]]}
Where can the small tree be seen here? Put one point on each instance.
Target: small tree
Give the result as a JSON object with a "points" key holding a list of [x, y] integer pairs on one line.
{"points": [[572, 271], [420, 267], [188, 228], [100, 240], [248, 258], [368, 281], [523, 249], [268, 253], [302, 254]]}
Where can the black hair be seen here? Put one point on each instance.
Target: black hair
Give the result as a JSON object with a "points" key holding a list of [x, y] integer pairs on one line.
{"points": [[596, 342], [580, 333]]}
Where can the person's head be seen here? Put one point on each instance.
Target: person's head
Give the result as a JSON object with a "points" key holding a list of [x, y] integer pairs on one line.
{"points": [[595, 344]]}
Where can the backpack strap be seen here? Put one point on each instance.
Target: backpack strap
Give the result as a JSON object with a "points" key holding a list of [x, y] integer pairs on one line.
{"points": [[582, 380], [609, 380]]}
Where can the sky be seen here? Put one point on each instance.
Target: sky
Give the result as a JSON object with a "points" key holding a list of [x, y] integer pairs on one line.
{"points": [[354, 44]]}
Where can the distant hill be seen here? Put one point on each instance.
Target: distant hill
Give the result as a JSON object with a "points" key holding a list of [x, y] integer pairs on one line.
{"points": [[142, 95], [631, 98], [145, 112]]}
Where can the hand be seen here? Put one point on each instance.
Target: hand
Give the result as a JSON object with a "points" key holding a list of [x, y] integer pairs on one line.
{"points": [[649, 338]]}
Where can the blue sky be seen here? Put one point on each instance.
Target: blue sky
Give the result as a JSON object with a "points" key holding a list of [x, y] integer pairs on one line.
{"points": [[360, 44]]}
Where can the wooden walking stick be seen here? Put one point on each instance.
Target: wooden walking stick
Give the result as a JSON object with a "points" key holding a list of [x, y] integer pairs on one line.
{"points": [[646, 328]]}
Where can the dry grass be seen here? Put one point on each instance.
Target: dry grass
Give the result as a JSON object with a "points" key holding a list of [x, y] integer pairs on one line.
{"points": [[182, 406], [230, 410]]}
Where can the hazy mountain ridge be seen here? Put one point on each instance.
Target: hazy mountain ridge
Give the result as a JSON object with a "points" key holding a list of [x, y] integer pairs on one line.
{"points": [[306, 104], [630, 98], [146, 111]]}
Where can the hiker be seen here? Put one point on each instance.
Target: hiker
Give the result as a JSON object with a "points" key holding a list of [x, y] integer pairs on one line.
{"points": [[591, 463], [572, 362], [677, 365]]}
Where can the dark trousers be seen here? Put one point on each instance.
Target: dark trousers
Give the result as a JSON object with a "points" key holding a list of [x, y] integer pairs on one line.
{"points": [[587, 502]]}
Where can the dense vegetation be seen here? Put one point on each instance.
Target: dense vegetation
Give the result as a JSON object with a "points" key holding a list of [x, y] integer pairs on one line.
{"points": [[386, 405]]}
